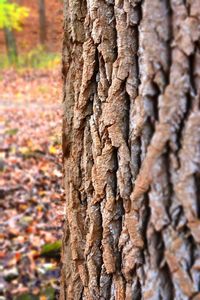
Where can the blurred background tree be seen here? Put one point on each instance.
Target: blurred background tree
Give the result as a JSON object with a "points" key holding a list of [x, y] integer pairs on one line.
{"points": [[42, 21], [30, 33], [11, 16]]}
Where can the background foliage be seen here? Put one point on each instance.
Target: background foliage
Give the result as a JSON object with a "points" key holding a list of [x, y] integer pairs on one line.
{"points": [[11, 15]]}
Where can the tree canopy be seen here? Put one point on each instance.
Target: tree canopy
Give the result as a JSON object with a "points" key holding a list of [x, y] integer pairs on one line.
{"points": [[11, 15]]}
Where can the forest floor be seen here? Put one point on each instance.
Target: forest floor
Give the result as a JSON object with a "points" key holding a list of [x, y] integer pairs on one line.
{"points": [[31, 194]]}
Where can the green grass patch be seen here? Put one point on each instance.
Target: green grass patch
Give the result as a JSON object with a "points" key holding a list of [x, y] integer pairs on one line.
{"points": [[37, 58]]}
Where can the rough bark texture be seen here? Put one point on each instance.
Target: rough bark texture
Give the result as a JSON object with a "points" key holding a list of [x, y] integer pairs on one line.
{"points": [[131, 147]]}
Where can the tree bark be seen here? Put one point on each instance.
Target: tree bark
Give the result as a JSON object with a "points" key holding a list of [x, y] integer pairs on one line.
{"points": [[131, 150], [42, 21]]}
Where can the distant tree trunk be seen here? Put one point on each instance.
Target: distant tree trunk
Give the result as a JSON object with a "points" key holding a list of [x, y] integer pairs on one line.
{"points": [[131, 149], [42, 21], [11, 45]]}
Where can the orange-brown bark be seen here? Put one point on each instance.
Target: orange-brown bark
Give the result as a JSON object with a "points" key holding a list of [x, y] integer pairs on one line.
{"points": [[131, 147]]}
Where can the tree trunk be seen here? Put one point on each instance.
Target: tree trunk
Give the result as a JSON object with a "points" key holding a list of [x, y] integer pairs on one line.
{"points": [[131, 150], [42, 21], [10, 45]]}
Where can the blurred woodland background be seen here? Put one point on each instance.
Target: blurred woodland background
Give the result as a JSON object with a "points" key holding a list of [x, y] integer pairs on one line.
{"points": [[31, 194], [28, 30]]}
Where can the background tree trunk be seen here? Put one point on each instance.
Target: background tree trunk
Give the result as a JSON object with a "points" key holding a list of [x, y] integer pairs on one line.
{"points": [[10, 45], [42, 21], [131, 147]]}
